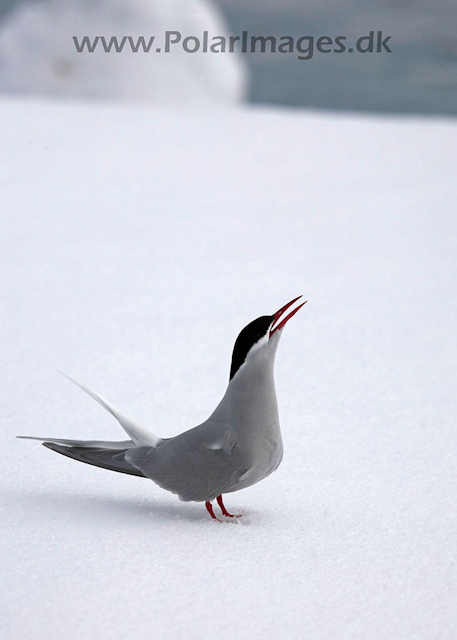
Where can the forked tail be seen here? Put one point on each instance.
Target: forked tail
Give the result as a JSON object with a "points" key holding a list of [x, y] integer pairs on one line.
{"points": [[100, 453], [140, 434]]}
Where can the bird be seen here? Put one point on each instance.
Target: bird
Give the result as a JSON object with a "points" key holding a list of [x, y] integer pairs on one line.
{"points": [[239, 445]]}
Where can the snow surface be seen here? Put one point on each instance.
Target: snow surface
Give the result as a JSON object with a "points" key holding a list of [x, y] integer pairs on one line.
{"points": [[136, 243], [38, 55]]}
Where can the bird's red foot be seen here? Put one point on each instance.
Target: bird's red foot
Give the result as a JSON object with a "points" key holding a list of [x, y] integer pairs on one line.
{"points": [[224, 510], [209, 507]]}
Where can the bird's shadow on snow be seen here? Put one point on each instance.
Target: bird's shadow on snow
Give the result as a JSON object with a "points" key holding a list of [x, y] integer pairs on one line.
{"points": [[108, 510]]}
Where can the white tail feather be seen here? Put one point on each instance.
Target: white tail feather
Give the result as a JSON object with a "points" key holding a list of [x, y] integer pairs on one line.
{"points": [[87, 444], [140, 434]]}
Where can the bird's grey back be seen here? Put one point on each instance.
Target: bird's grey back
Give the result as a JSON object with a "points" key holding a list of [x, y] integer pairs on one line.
{"points": [[198, 465]]}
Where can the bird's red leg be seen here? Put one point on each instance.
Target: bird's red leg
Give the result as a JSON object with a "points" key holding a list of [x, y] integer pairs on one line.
{"points": [[223, 509], [209, 506]]}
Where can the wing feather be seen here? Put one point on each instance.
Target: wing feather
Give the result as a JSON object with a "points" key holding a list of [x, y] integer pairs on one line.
{"points": [[104, 458], [197, 465]]}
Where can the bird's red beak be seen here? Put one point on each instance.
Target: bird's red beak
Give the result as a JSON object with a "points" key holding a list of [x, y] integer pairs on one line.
{"points": [[279, 313]]}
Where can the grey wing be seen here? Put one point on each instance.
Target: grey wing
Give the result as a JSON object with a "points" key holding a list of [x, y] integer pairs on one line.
{"points": [[113, 459], [197, 465]]}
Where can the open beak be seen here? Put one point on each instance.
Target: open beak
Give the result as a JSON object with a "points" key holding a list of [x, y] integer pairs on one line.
{"points": [[279, 313]]}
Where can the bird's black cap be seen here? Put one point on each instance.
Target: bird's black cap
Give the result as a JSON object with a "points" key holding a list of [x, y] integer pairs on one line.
{"points": [[247, 339]]}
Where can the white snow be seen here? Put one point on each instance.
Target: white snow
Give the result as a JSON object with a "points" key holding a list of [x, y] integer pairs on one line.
{"points": [[136, 243], [38, 54]]}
